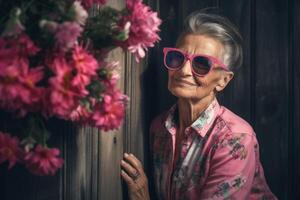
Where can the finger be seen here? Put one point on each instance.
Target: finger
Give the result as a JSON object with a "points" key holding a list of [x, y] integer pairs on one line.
{"points": [[126, 177], [136, 159], [128, 168], [132, 160]]}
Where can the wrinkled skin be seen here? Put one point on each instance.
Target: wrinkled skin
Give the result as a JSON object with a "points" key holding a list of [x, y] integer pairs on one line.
{"points": [[137, 188]]}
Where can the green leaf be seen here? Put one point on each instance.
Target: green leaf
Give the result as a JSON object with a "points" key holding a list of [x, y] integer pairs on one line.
{"points": [[103, 27]]}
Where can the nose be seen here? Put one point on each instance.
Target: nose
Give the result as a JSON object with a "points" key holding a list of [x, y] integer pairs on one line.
{"points": [[186, 69]]}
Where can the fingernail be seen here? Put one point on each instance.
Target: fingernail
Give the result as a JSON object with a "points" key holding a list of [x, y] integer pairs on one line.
{"points": [[125, 154]]}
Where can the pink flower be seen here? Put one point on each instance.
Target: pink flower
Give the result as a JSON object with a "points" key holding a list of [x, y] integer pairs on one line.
{"points": [[25, 46], [28, 79], [85, 64], [88, 3], [63, 96], [66, 35], [43, 161], [144, 25], [9, 149], [14, 48], [18, 88], [109, 114], [8, 52], [113, 74], [80, 114]]}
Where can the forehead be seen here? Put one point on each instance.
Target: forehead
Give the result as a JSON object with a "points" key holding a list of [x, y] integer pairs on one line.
{"points": [[200, 44]]}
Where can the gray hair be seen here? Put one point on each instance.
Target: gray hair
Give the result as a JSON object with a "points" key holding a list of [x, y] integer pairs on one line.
{"points": [[220, 28]]}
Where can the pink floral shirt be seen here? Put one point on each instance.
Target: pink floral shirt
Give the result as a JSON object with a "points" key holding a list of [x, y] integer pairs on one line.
{"points": [[218, 159]]}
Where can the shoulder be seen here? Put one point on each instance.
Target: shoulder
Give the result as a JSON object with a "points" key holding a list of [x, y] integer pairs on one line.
{"points": [[237, 135], [235, 123]]}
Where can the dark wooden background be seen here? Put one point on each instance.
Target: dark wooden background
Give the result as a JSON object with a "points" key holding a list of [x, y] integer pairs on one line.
{"points": [[265, 91]]}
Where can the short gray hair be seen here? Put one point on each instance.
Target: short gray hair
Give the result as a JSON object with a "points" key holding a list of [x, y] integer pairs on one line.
{"points": [[220, 28]]}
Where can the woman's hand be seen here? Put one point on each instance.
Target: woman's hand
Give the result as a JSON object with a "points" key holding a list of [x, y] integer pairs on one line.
{"points": [[133, 174]]}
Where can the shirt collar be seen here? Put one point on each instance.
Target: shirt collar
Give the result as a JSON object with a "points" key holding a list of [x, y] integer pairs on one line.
{"points": [[201, 125]]}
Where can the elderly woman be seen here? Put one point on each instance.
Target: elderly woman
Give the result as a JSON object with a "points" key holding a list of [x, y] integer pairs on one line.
{"points": [[201, 150]]}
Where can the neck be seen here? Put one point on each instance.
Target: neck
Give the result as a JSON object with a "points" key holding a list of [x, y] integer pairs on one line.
{"points": [[190, 110]]}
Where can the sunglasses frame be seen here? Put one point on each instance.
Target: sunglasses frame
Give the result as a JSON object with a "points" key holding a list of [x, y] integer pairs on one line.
{"points": [[187, 56]]}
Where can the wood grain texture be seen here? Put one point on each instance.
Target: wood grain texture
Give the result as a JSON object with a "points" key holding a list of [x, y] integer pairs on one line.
{"points": [[271, 83], [80, 176], [110, 152], [155, 92], [294, 109], [237, 94]]}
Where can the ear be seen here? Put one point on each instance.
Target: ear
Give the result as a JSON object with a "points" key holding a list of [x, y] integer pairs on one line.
{"points": [[224, 80]]}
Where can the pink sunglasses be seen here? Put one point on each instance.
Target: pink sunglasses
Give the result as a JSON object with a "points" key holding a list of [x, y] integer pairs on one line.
{"points": [[201, 65]]}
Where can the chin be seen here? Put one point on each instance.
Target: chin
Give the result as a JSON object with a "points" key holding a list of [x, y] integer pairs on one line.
{"points": [[188, 93], [183, 92]]}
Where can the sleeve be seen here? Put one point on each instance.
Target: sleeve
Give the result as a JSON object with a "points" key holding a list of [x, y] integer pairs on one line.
{"points": [[150, 173], [232, 168]]}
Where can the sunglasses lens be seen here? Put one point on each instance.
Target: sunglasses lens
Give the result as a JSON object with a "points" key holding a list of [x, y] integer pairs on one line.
{"points": [[174, 59], [201, 65]]}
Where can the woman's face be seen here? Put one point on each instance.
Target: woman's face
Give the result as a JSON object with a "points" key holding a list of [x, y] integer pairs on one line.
{"points": [[183, 83]]}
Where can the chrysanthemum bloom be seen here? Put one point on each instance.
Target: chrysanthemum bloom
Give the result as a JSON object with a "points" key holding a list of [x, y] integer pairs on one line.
{"points": [[144, 25], [18, 88], [85, 64], [17, 81], [80, 114], [9, 149], [63, 96], [109, 114], [29, 79], [89, 3], [26, 46], [14, 48], [112, 70], [66, 35], [43, 161]]}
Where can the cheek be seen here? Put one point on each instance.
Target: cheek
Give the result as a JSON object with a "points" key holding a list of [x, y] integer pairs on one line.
{"points": [[170, 77], [171, 73], [207, 83], [203, 82]]}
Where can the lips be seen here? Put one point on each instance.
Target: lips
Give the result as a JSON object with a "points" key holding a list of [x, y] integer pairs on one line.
{"points": [[182, 81]]}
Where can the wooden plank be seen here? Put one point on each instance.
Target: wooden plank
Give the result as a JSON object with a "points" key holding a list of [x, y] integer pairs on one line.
{"points": [[294, 108], [134, 133], [271, 105], [110, 153], [157, 97], [236, 95], [79, 175], [111, 143], [187, 7]]}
